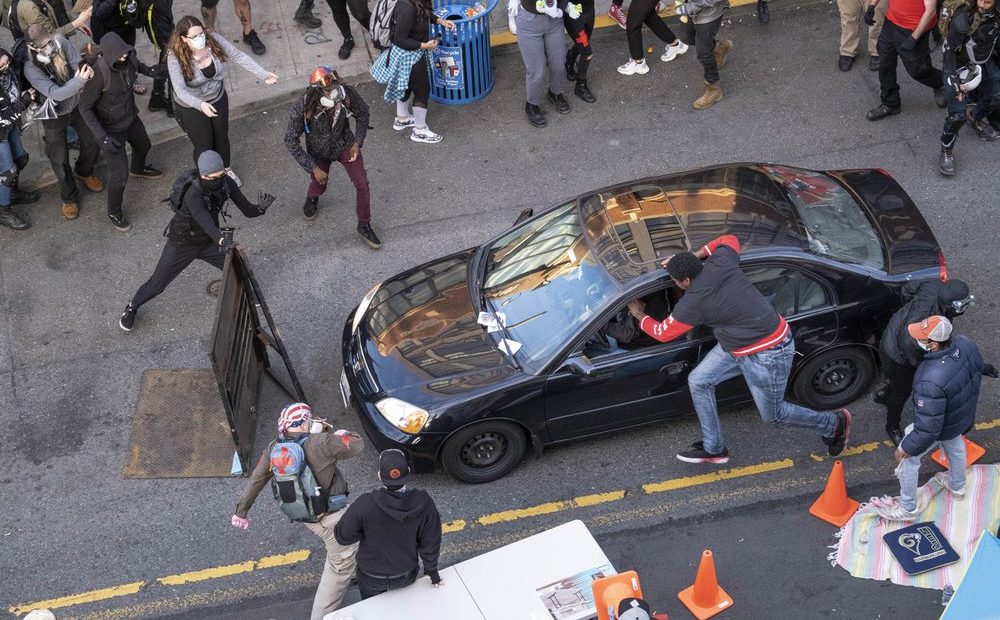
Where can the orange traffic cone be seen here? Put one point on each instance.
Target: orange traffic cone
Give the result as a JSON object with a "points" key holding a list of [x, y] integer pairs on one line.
{"points": [[705, 598], [609, 591], [973, 452], [833, 506]]}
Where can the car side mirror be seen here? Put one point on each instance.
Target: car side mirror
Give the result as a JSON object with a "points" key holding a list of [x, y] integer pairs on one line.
{"points": [[524, 215], [579, 365]]}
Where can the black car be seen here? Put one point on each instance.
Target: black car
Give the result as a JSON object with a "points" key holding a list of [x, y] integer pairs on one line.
{"points": [[468, 359]]}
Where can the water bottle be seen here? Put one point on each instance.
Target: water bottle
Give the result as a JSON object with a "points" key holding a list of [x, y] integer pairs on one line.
{"points": [[946, 594]]}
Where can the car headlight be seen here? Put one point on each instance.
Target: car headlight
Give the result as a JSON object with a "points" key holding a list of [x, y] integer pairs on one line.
{"points": [[404, 416], [363, 307]]}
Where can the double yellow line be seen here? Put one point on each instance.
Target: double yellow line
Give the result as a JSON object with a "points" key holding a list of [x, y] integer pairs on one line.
{"points": [[504, 516]]}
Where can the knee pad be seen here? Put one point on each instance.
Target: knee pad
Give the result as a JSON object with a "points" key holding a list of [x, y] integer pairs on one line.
{"points": [[8, 178], [21, 161]]}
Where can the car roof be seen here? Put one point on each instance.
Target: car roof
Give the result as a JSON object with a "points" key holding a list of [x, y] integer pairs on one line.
{"points": [[634, 226]]}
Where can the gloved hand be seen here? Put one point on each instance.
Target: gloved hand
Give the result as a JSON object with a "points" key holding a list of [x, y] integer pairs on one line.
{"points": [[574, 10], [552, 11], [435, 577], [989, 370], [683, 9], [870, 15], [112, 145], [264, 201], [240, 522], [908, 44]]}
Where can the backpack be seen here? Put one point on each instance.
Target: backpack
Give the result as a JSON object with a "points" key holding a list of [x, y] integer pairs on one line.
{"points": [[382, 23], [948, 10], [180, 187], [15, 28], [301, 498]]}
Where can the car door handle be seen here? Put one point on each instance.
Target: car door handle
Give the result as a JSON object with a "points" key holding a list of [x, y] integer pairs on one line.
{"points": [[675, 368]]}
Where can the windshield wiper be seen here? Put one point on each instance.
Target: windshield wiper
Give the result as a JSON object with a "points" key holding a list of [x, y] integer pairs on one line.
{"points": [[488, 305]]}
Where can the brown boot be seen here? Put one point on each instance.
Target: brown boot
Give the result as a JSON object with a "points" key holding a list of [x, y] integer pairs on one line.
{"points": [[722, 49], [70, 210], [711, 96], [92, 183]]}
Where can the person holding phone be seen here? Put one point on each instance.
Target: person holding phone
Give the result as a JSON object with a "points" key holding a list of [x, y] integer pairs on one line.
{"points": [[197, 62]]}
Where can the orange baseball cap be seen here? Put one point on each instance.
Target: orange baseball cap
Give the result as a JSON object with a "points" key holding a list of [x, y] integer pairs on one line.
{"points": [[936, 328]]}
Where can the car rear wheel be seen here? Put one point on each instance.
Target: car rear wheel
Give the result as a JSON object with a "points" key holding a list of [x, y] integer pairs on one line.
{"points": [[483, 452], [834, 378]]}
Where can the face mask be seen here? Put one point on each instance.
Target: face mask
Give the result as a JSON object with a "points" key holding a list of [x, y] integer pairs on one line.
{"points": [[198, 42], [926, 346], [335, 97], [213, 185]]}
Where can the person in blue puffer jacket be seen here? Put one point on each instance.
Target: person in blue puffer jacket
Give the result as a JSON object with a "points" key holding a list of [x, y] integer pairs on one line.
{"points": [[945, 395]]}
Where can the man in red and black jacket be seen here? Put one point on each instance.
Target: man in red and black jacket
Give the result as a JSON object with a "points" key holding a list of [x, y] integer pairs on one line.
{"points": [[753, 340]]}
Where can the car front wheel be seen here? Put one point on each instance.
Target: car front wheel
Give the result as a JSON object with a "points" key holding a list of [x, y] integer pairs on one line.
{"points": [[483, 452], [834, 378]]}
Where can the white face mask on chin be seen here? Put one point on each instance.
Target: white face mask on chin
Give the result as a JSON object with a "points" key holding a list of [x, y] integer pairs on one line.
{"points": [[926, 346]]}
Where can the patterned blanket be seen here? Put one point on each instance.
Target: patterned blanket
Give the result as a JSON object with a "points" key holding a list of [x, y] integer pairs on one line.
{"points": [[862, 552]]}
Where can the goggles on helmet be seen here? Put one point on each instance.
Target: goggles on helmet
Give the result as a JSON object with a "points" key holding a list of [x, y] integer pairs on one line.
{"points": [[323, 77]]}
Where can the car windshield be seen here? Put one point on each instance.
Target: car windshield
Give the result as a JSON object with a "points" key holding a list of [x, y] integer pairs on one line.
{"points": [[836, 225], [544, 279]]}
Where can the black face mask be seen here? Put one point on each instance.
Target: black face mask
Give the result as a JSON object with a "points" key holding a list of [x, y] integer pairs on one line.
{"points": [[212, 186]]}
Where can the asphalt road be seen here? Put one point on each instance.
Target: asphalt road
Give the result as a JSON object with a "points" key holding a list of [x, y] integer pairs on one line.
{"points": [[70, 524]]}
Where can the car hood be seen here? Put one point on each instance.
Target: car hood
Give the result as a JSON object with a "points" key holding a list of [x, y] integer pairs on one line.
{"points": [[421, 331], [908, 237]]}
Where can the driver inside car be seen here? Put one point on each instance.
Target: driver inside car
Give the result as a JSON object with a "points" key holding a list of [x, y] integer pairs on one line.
{"points": [[623, 332]]}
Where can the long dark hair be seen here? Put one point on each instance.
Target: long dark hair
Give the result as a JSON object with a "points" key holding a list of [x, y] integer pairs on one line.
{"points": [[424, 8], [311, 105]]}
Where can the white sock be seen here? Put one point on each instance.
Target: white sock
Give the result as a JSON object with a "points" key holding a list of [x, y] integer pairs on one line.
{"points": [[401, 111], [421, 115]]}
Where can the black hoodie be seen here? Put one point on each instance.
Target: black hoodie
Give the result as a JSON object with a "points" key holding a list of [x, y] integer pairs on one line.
{"points": [[921, 299], [394, 528], [107, 102]]}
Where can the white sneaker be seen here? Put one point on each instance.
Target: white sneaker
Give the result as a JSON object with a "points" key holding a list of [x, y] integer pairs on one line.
{"points": [[399, 124], [896, 512], [673, 51], [425, 135], [235, 177], [946, 484], [632, 67]]}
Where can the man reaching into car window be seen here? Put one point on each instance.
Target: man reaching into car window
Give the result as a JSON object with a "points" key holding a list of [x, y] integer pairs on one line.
{"points": [[753, 340]]}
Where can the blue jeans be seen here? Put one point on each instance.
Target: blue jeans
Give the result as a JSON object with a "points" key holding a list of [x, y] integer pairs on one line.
{"points": [[766, 374], [10, 149], [909, 468]]}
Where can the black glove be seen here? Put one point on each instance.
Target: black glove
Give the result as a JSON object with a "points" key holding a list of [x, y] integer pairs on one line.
{"points": [[434, 575], [908, 44], [112, 145], [989, 370], [264, 201], [870, 15], [226, 242]]}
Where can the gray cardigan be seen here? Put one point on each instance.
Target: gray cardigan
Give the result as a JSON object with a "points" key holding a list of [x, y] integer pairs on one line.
{"points": [[66, 96], [208, 90]]}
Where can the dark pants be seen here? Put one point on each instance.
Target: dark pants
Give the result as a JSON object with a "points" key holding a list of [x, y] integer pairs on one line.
{"points": [[702, 37], [580, 30], [917, 63], [207, 134], [420, 84], [118, 165], [57, 150], [175, 258], [899, 390], [359, 9], [356, 170], [370, 585], [644, 12], [985, 99]]}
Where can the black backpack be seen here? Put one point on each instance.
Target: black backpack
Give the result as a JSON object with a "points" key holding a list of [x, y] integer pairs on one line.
{"points": [[180, 187]]}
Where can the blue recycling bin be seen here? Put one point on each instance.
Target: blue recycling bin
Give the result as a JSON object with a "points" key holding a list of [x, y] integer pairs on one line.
{"points": [[460, 68]]}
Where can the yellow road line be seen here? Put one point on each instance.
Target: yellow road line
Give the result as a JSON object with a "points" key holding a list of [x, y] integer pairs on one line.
{"points": [[216, 572], [91, 596], [983, 426], [453, 526], [716, 476], [283, 559], [550, 507], [601, 21], [863, 448]]}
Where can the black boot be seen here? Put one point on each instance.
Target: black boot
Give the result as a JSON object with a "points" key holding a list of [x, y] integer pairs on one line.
{"points": [[535, 115], [10, 219], [158, 102], [583, 92], [345, 50], [24, 196], [310, 207], [305, 17]]}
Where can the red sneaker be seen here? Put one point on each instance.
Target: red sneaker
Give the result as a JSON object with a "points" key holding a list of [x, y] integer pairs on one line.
{"points": [[616, 13]]}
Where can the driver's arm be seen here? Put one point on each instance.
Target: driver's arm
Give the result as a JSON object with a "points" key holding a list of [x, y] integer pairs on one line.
{"points": [[663, 331]]}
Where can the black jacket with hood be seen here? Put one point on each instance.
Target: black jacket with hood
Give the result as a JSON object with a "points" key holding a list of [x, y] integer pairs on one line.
{"points": [[394, 529], [107, 102], [921, 299]]}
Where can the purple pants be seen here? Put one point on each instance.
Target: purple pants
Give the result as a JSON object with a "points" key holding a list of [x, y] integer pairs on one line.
{"points": [[356, 170]]}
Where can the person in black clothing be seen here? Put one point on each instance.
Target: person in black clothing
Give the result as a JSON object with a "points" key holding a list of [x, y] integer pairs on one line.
{"points": [[973, 34], [644, 12], [107, 104], [13, 157], [322, 115], [411, 32], [580, 27], [394, 526], [898, 352], [359, 9], [118, 16], [157, 18], [193, 232]]}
